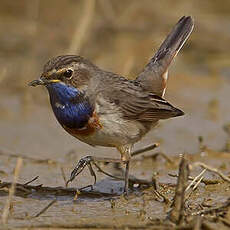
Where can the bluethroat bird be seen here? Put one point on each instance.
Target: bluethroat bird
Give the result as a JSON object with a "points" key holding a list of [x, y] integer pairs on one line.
{"points": [[102, 108]]}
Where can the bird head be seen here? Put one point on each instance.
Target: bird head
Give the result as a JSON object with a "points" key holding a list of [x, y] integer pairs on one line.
{"points": [[67, 79], [69, 70]]}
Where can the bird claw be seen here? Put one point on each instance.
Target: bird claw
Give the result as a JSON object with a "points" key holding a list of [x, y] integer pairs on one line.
{"points": [[82, 163]]}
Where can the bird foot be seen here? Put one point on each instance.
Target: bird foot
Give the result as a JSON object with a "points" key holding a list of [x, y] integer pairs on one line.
{"points": [[89, 160], [82, 163]]}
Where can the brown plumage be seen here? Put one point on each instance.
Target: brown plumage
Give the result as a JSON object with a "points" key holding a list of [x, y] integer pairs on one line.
{"points": [[103, 108]]}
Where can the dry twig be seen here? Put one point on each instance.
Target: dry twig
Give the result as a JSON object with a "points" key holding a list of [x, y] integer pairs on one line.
{"points": [[132, 180], [211, 169], [63, 175], [34, 179], [44, 209], [145, 149], [221, 208], [6, 209], [24, 190], [198, 223], [195, 180], [177, 212], [204, 181]]}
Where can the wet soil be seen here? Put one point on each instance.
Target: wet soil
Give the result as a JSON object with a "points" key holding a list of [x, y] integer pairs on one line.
{"points": [[33, 132], [198, 84]]}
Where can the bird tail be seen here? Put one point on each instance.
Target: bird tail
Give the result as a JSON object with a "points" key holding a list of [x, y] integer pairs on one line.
{"points": [[154, 76]]}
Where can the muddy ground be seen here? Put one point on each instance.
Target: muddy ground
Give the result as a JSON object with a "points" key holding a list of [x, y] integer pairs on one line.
{"points": [[119, 37]]}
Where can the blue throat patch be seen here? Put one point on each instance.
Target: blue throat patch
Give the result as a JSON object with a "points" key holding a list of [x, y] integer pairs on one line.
{"points": [[69, 105]]}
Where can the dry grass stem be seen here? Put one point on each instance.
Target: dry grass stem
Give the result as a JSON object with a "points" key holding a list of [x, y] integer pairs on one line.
{"points": [[194, 187], [204, 181], [145, 149], [25, 190], [34, 179], [225, 221], [63, 175], [82, 29], [161, 196], [195, 180], [214, 170], [177, 213], [223, 207], [198, 223], [45, 208], [197, 183], [6, 209], [76, 195], [132, 180]]}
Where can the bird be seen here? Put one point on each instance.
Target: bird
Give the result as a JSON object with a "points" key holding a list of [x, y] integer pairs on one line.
{"points": [[102, 108]]}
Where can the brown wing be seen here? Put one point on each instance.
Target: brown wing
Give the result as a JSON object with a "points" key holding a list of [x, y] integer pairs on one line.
{"points": [[148, 107], [135, 103]]}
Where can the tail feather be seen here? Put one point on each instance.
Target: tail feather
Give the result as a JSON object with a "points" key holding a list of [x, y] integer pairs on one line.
{"points": [[154, 76]]}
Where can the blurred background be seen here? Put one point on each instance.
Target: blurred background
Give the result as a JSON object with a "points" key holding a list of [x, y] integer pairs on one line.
{"points": [[119, 36]]}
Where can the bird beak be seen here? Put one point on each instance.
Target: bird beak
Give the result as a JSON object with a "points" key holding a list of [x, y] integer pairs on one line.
{"points": [[43, 81]]}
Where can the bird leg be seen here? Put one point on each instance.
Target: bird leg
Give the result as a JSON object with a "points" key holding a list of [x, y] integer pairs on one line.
{"points": [[126, 178], [86, 161]]}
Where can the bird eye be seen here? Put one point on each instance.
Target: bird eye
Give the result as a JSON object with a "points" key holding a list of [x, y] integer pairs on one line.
{"points": [[68, 73]]}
